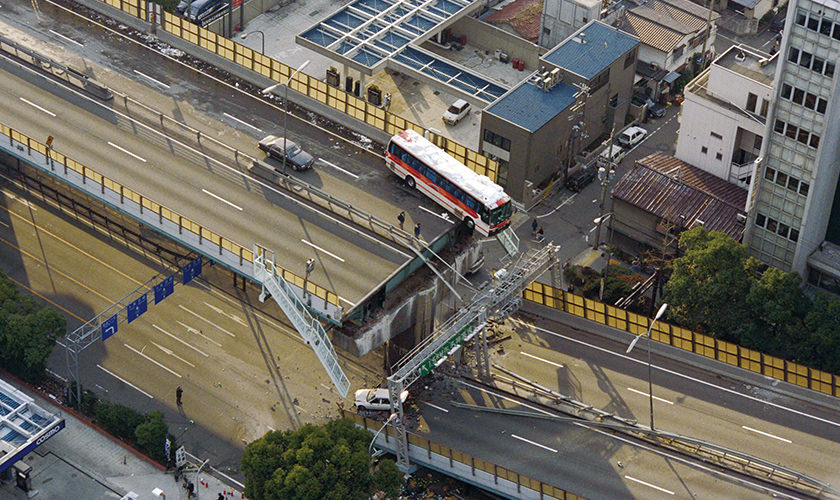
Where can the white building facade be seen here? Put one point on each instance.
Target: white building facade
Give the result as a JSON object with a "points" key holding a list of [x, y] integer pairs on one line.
{"points": [[793, 203], [723, 117]]}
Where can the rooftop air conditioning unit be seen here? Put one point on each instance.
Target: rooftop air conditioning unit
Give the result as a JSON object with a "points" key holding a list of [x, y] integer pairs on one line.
{"points": [[741, 218], [555, 76], [547, 83]]}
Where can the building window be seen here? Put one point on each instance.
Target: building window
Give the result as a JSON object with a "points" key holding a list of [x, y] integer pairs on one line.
{"points": [[835, 33], [801, 17], [704, 150], [786, 91], [821, 105], [798, 95], [791, 131], [772, 224], [794, 235], [496, 140], [781, 179], [810, 101], [813, 23], [829, 70], [769, 174], [793, 55], [783, 230], [751, 100], [599, 81], [630, 59], [718, 156], [815, 141], [825, 27], [760, 220], [716, 136], [764, 105], [678, 52], [805, 59], [779, 126], [802, 136], [803, 188], [546, 32], [757, 143], [818, 65], [793, 184]]}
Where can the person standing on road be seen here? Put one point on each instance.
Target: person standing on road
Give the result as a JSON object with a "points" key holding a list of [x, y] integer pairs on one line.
{"points": [[417, 230], [534, 226], [178, 393], [401, 218]]}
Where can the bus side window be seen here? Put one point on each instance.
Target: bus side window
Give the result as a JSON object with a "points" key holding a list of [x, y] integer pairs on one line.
{"points": [[431, 175], [485, 216]]}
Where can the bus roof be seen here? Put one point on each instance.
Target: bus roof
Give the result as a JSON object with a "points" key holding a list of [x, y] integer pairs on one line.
{"points": [[479, 186]]}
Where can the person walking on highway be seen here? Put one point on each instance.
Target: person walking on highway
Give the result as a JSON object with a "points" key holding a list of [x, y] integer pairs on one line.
{"points": [[401, 218], [178, 393], [417, 230]]}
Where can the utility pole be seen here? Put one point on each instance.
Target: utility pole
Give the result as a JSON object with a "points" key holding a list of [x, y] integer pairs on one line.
{"points": [[708, 34], [577, 117]]}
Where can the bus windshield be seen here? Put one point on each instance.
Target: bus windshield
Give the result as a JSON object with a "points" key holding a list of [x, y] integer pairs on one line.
{"points": [[501, 214]]}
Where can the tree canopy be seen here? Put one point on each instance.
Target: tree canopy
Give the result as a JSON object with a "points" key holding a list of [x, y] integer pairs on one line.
{"points": [[718, 289], [316, 462], [28, 332]]}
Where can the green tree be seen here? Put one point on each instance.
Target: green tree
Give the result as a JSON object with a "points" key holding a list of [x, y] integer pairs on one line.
{"points": [[823, 326], [315, 462], [776, 307], [709, 282], [151, 436], [119, 420], [28, 332]]}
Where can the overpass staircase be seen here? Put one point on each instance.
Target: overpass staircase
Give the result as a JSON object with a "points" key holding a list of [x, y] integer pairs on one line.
{"points": [[293, 306]]}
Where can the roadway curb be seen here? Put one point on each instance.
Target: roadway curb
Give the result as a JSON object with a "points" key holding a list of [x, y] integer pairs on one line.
{"points": [[696, 361]]}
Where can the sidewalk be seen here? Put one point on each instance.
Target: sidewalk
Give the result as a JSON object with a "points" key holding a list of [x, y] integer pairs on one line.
{"points": [[81, 462]]}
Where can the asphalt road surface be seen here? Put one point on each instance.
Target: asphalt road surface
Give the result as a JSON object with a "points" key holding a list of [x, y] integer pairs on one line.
{"points": [[243, 369]]}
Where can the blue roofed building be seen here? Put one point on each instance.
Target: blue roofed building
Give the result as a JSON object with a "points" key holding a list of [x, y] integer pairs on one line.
{"points": [[536, 129]]}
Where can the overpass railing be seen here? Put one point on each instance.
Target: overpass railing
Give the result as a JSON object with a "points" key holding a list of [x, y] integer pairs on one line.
{"points": [[710, 347], [464, 466], [147, 211]]}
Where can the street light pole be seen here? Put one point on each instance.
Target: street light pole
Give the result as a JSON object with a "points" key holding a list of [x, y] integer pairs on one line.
{"points": [[262, 49], [268, 90], [598, 221], [650, 371], [392, 417]]}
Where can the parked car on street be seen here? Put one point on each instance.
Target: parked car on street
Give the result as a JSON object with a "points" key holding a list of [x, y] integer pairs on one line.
{"points": [[632, 136], [456, 112], [654, 109], [295, 156], [581, 178]]}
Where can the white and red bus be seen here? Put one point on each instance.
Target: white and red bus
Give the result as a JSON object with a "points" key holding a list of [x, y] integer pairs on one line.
{"points": [[479, 202]]}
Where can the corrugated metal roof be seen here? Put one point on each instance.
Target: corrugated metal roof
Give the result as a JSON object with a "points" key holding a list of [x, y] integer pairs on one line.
{"points": [[687, 12], [683, 194], [591, 54], [659, 22], [529, 107], [653, 34]]}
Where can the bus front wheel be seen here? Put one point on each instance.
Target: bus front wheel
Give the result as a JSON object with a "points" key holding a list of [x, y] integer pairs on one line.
{"points": [[470, 223], [409, 181]]}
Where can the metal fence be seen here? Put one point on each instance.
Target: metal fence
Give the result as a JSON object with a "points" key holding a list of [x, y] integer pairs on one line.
{"points": [[314, 88], [685, 339], [475, 464], [110, 189]]}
